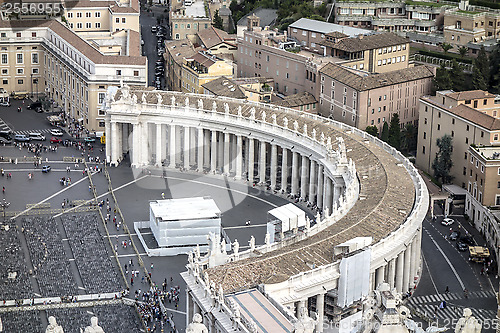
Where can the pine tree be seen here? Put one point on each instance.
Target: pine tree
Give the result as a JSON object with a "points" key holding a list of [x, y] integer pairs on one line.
{"points": [[442, 163], [384, 136], [373, 130], [394, 138], [481, 70], [217, 21], [457, 76], [442, 80], [494, 81]]}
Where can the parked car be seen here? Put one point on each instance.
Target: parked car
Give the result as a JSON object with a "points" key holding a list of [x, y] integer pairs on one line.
{"points": [[4, 103], [454, 236], [46, 168], [56, 132], [21, 138], [6, 134], [469, 240], [461, 246], [37, 136], [55, 140], [5, 141], [447, 221], [35, 105], [154, 29], [89, 139]]}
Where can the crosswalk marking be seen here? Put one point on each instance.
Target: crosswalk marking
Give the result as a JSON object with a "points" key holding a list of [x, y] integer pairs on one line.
{"points": [[427, 304], [4, 126], [33, 131]]}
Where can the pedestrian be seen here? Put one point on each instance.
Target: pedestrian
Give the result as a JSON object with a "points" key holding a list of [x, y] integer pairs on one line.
{"points": [[447, 290], [151, 266], [3, 189]]}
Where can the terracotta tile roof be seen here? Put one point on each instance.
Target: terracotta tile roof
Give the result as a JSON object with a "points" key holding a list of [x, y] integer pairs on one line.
{"points": [[469, 95], [88, 4], [179, 49], [369, 42], [336, 34], [291, 101], [123, 10], [362, 82], [76, 41], [223, 86], [466, 112], [134, 47], [211, 37], [203, 59]]}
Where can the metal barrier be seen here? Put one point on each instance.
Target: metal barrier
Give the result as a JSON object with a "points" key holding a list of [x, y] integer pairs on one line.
{"points": [[38, 205], [53, 211]]}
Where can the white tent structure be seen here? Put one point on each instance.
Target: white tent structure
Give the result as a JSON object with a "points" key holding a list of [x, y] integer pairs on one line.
{"points": [[284, 219]]}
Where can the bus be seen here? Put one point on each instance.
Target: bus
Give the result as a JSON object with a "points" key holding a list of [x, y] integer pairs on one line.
{"points": [[103, 139], [478, 253]]}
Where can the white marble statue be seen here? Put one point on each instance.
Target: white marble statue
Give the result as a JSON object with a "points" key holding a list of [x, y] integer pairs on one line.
{"points": [[160, 99], [186, 102], [285, 122], [295, 125], [318, 218], [326, 212], [172, 100], [267, 239], [134, 99], [200, 104], [304, 324], [196, 325], [252, 113], [468, 323], [94, 327], [263, 115], [190, 258], [214, 106], [197, 253], [220, 295], [125, 93], [223, 246], [211, 243], [206, 279], [226, 108], [53, 327], [322, 138], [196, 270], [251, 242], [313, 134], [236, 246], [308, 223], [143, 98], [273, 117], [240, 113], [342, 150], [305, 129]]}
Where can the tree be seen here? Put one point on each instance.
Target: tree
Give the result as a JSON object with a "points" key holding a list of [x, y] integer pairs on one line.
{"points": [[394, 138], [409, 138], [217, 21], [481, 70], [446, 47], [384, 136], [373, 130], [442, 163], [463, 50], [442, 80], [494, 81], [457, 76]]}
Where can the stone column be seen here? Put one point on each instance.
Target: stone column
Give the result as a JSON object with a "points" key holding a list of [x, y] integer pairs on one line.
{"points": [[336, 193], [178, 144], [192, 146], [172, 146], [320, 309], [392, 273], [159, 140], [407, 265], [213, 153], [400, 272], [251, 157], [109, 147], [418, 250], [300, 306], [262, 162], [380, 275], [304, 177], [206, 148], [187, 146], [239, 156], [312, 183], [220, 152], [413, 262], [284, 170], [136, 145], [114, 143], [146, 148], [319, 196], [295, 173], [274, 165], [119, 134], [234, 153], [327, 203], [226, 154], [200, 149]]}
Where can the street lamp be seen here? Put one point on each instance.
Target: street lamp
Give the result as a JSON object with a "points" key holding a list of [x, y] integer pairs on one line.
{"points": [[4, 204], [31, 79]]}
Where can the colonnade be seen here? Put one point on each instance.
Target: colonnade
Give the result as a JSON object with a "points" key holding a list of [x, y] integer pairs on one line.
{"points": [[239, 156]]}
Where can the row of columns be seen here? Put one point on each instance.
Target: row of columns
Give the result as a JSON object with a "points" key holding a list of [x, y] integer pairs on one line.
{"points": [[230, 154], [400, 272]]}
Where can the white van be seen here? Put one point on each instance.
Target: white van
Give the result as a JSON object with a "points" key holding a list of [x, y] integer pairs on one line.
{"points": [[188, 2], [37, 136]]}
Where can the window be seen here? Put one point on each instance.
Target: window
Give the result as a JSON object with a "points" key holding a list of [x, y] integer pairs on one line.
{"points": [[18, 35], [118, 72], [88, 14], [453, 121], [439, 127], [34, 58], [485, 101], [117, 20], [123, 20], [34, 71], [20, 71], [97, 14], [19, 58], [136, 73], [79, 25], [497, 200], [101, 97], [425, 135], [78, 14], [5, 71], [4, 81], [20, 81], [498, 184], [423, 150], [495, 137], [177, 36], [313, 34], [98, 25], [70, 15], [4, 58], [465, 155], [475, 104], [467, 127], [88, 25]]}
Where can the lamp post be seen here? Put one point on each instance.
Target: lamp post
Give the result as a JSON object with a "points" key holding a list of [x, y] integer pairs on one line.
{"points": [[31, 81], [35, 81], [4, 204]]}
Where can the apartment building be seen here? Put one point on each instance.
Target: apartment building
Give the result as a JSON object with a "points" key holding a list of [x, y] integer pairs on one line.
{"points": [[375, 53], [217, 41], [187, 21], [47, 57], [300, 102], [361, 99], [419, 16], [175, 53], [470, 24], [471, 118], [89, 16], [310, 34], [202, 67]]}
